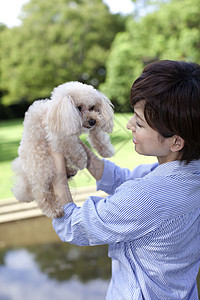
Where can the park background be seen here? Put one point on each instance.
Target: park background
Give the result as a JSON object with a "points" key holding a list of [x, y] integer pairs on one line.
{"points": [[62, 40]]}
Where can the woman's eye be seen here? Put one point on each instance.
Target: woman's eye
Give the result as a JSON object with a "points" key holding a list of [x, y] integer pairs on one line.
{"points": [[91, 108], [138, 124], [79, 108]]}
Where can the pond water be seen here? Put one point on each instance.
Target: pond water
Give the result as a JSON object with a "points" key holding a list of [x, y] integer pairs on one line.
{"points": [[36, 265]]}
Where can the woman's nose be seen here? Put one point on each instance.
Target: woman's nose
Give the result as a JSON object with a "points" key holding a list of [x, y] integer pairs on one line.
{"points": [[131, 124]]}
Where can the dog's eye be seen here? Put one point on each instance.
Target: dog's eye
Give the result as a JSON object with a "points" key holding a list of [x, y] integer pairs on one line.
{"points": [[79, 107], [91, 108]]}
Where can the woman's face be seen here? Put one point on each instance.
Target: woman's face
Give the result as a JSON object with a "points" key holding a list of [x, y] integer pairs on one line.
{"points": [[147, 140]]}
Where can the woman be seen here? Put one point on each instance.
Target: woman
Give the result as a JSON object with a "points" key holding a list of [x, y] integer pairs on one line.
{"points": [[151, 218]]}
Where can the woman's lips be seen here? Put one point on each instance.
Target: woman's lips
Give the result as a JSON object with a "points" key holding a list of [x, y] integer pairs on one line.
{"points": [[134, 141]]}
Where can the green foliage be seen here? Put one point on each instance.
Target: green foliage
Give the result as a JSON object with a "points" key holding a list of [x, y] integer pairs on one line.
{"points": [[64, 40], [10, 135], [172, 31], [59, 41]]}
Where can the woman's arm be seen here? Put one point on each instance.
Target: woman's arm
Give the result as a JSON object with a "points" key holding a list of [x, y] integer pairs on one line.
{"points": [[95, 165], [60, 182]]}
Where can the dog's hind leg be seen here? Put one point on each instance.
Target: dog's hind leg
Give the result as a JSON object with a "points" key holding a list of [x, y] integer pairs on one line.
{"points": [[46, 201], [22, 189]]}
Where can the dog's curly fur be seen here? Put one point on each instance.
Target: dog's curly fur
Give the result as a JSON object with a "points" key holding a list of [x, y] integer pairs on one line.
{"points": [[74, 108]]}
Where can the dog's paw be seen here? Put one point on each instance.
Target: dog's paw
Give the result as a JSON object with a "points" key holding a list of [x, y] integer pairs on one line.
{"points": [[81, 164], [106, 152], [59, 214], [53, 211], [71, 173]]}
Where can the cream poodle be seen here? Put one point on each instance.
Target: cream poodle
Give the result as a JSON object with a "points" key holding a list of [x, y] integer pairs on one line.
{"points": [[74, 108]]}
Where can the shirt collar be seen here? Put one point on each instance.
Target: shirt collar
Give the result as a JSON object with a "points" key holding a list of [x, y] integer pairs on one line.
{"points": [[175, 167]]}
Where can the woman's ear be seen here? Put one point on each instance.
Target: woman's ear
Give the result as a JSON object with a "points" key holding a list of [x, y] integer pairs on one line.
{"points": [[63, 117], [177, 144], [107, 113]]}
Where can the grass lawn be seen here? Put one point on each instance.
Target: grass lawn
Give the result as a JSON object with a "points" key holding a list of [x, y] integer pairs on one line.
{"points": [[10, 136]]}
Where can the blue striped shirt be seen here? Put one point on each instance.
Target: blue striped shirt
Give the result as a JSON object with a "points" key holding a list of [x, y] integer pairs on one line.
{"points": [[151, 221]]}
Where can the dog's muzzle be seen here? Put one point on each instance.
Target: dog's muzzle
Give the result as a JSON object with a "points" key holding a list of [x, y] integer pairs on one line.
{"points": [[89, 123], [92, 122]]}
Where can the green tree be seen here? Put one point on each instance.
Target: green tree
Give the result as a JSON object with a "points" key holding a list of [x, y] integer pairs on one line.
{"points": [[2, 90], [59, 41], [172, 31]]}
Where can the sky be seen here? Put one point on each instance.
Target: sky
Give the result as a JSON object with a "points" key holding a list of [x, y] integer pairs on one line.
{"points": [[10, 9]]}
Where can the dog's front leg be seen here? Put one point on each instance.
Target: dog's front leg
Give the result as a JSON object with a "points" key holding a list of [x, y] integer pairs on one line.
{"points": [[100, 141], [75, 155]]}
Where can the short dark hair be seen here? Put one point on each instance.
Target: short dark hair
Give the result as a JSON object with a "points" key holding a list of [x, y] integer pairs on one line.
{"points": [[171, 90]]}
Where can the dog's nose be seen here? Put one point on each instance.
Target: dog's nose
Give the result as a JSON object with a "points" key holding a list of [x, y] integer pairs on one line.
{"points": [[92, 122]]}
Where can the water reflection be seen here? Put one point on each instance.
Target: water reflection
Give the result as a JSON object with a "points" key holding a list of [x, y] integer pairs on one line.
{"points": [[54, 270], [21, 278], [35, 265]]}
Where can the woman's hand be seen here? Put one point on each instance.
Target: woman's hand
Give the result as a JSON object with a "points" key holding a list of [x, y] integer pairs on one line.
{"points": [[95, 165], [59, 161], [60, 182]]}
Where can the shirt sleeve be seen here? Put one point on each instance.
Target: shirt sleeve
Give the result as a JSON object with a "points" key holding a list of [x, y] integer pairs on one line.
{"points": [[124, 216], [113, 176]]}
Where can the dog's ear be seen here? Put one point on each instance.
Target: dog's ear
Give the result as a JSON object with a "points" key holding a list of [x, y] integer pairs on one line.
{"points": [[106, 109], [63, 116]]}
